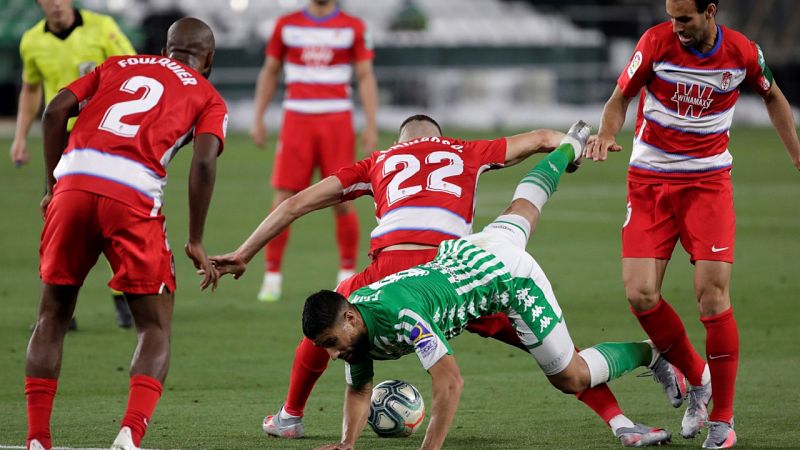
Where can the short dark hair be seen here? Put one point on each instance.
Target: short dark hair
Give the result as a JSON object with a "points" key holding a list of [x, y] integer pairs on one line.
{"points": [[420, 118], [702, 5], [321, 311]]}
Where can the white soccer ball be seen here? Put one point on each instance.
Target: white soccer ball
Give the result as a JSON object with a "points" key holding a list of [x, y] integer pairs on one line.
{"points": [[396, 409]]}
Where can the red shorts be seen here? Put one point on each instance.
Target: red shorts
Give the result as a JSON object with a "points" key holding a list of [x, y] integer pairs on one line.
{"points": [[386, 263], [700, 214], [307, 141], [80, 225]]}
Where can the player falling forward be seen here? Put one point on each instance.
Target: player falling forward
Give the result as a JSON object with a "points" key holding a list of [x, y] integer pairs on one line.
{"points": [[689, 72], [433, 202], [104, 195], [419, 309]]}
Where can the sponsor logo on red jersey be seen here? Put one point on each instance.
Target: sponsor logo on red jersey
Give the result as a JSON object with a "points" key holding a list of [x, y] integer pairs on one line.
{"points": [[692, 99]]}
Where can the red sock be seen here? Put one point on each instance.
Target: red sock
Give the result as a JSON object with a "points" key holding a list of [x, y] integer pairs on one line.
{"points": [[601, 400], [39, 393], [497, 326], [347, 238], [273, 255], [722, 354], [142, 399], [309, 363], [666, 330]]}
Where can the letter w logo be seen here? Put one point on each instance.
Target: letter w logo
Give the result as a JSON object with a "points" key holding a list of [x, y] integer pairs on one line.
{"points": [[692, 99]]}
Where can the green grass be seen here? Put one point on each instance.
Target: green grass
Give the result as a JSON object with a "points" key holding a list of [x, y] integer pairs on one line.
{"points": [[232, 355]]}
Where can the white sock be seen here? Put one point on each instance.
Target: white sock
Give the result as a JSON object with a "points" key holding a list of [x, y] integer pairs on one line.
{"points": [[598, 366], [285, 415], [619, 421], [706, 377]]}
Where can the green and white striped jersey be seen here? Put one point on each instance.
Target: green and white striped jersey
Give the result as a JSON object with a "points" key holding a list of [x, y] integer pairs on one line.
{"points": [[419, 309]]}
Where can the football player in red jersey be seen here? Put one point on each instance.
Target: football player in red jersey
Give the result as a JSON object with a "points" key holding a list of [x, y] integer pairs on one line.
{"points": [[424, 189], [104, 191], [319, 48], [688, 72]]}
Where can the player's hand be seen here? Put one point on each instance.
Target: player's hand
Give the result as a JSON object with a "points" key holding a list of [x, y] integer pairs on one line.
{"points": [[369, 139], [196, 252], [597, 149], [44, 203], [19, 152], [230, 263], [259, 133], [339, 446]]}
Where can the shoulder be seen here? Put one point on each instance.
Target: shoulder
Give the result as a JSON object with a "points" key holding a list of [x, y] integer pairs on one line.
{"points": [[93, 19], [735, 40], [31, 35], [351, 20], [658, 34]]}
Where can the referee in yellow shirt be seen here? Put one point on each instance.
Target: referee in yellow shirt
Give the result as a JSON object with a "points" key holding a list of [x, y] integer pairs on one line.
{"points": [[65, 45]]}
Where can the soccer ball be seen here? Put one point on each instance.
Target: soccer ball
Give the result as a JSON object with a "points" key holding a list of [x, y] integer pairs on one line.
{"points": [[396, 409]]}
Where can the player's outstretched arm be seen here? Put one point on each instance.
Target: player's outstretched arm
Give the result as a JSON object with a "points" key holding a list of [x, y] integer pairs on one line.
{"points": [[521, 146], [356, 412], [323, 194], [447, 386], [30, 96], [202, 174], [54, 129], [266, 84], [368, 93], [780, 113], [613, 118]]}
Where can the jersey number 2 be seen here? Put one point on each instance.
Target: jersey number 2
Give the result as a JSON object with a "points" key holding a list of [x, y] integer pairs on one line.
{"points": [[112, 120], [411, 165]]}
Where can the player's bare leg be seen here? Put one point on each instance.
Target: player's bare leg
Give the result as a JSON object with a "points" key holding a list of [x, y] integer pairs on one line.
{"points": [[152, 315], [711, 283], [643, 278], [270, 290], [43, 359], [347, 236]]}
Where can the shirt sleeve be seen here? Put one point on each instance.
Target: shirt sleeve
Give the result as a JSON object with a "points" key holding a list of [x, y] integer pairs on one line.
{"points": [[355, 179], [276, 48], [359, 374], [362, 45], [116, 43], [214, 120], [30, 71], [640, 67], [85, 86], [428, 341], [759, 76], [487, 152]]}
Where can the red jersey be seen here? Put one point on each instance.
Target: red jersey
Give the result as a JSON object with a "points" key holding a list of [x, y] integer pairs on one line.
{"points": [[687, 102], [139, 110], [318, 54], [424, 189]]}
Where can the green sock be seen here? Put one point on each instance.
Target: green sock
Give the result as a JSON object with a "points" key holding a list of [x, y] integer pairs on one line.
{"points": [[541, 182], [611, 360]]}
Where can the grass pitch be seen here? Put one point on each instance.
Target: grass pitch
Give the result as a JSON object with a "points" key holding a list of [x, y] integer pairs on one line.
{"points": [[232, 355]]}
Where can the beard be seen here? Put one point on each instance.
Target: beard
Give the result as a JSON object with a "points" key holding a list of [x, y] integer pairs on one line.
{"points": [[359, 352]]}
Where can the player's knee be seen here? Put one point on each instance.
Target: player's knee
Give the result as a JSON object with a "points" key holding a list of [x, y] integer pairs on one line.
{"points": [[568, 382], [640, 296], [713, 301]]}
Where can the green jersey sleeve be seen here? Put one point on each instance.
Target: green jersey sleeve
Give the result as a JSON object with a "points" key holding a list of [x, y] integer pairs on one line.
{"points": [[358, 374], [428, 341]]}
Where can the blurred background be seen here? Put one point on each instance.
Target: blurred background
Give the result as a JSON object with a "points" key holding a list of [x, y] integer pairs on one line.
{"points": [[478, 64]]}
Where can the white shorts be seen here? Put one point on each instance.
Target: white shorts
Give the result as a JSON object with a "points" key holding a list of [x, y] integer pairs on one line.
{"points": [[539, 321]]}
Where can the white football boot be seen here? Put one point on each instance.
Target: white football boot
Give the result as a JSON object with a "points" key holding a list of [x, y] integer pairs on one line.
{"points": [[124, 440], [36, 445], [271, 287]]}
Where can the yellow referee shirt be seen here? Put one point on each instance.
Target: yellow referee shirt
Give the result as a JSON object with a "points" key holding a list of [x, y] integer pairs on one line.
{"points": [[57, 61]]}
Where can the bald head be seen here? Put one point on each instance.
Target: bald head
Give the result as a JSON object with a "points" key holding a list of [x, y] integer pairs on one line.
{"points": [[418, 126], [191, 41]]}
